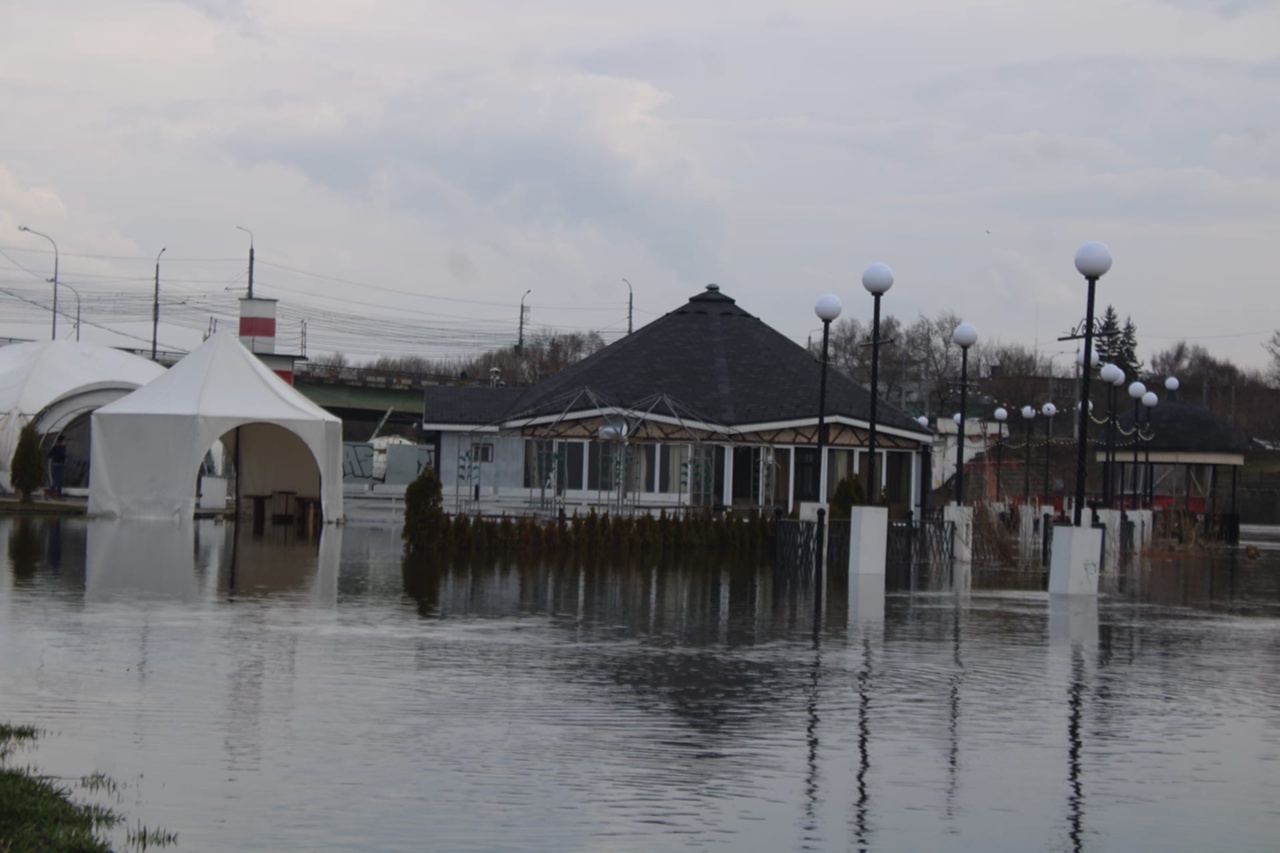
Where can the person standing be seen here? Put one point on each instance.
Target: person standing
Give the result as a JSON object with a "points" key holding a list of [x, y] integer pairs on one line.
{"points": [[57, 463]]}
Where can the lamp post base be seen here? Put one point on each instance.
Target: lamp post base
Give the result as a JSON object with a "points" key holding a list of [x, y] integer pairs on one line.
{"points": [[961, 546], [1073, 566]]}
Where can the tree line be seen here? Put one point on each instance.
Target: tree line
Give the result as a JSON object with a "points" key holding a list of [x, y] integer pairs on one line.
{"points": [[920, 368], [544, 353], [919, 371]]}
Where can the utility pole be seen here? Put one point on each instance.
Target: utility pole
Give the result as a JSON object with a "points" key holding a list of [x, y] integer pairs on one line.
{"points": [[520, 340], [631, 301], [155, 309], [250, 233]]}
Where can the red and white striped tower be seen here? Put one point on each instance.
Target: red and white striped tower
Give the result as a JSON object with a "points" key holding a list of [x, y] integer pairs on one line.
{"points": [[258, 325], [258, 334]]}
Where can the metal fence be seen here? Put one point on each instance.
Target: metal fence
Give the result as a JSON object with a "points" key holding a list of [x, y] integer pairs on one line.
{"points": [[793, 550], [919, 552]]}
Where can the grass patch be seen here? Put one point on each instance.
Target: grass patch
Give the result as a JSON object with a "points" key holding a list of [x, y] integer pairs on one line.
{"points": [[36, 814]]}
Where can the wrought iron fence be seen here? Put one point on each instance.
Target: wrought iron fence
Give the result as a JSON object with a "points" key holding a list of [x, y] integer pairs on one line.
{"points": [[920, 553], [793, 549]]}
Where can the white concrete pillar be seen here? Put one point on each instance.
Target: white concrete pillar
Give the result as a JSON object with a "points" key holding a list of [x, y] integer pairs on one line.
{"points": [[1073, 563], [868, 541]]}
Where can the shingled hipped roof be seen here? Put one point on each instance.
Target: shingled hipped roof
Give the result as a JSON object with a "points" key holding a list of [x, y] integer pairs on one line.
{"points": [[719, 361]]}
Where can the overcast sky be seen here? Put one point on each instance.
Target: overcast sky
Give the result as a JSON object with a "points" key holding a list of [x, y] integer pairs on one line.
{"points": [[420, 153]]}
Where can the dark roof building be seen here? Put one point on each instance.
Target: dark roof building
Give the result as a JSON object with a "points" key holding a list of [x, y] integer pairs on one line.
{"points": [[708, 367]]}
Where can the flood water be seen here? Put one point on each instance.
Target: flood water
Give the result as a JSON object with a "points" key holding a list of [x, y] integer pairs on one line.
{"points": [[275, 694]]}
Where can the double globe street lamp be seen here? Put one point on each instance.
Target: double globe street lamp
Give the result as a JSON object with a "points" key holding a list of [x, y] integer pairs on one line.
{"points": [[1113, 375], [1048, 410], [1136, 391]]}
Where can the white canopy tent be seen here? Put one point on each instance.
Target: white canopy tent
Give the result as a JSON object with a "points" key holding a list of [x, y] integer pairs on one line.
{"points": [[54, 382], [146, 448]]}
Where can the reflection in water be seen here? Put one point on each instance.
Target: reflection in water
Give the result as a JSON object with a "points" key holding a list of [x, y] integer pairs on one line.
{"points": [[634, 708], [861, 804], [1076, 704], [148, 559], [1073, 630], [953, 717], [24, 548]]}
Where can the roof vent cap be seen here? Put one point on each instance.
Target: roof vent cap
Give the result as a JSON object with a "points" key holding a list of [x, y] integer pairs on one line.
{"points": [[714, 288]]}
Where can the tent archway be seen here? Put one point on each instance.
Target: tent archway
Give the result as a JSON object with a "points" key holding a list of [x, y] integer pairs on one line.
{"points": [[147, 446]]}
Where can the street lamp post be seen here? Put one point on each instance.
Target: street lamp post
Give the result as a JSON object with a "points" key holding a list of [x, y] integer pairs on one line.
{"points": [[1092, 261], [877, 279], [155, 309], [1113, 375], [250, 233], [965, 336], [1028, 415], [53, 335], [1136, 390], [1149, 401], [828, 309], [631, 302], [520, 337], [1002, 415], [1048, 410], [926, 480]]}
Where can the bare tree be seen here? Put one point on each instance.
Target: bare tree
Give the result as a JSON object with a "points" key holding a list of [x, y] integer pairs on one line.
{"points": [[1272, 346]]}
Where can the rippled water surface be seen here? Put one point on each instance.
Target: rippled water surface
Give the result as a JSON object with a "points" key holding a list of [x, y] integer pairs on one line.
{"points": [[273, 694]]}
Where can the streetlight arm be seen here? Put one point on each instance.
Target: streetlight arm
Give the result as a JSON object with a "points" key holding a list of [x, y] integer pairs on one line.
{"points": [[54, 331]]}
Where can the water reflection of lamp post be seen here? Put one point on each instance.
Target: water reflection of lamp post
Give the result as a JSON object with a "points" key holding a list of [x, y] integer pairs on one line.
{"points": [[1136, 390], [1114, 377], [965, 336], [1048, 410], [1001, 415], [1028, 415], [1149, 401], [877, 279], [1092, 261]]}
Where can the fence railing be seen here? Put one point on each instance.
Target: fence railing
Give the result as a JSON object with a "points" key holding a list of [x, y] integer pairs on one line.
{"points": [[794, 544], [918, 554]]}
